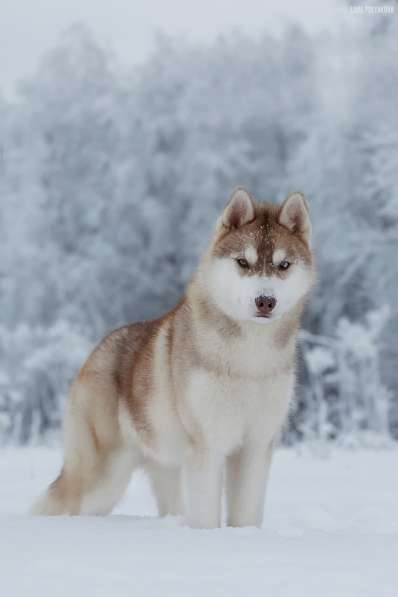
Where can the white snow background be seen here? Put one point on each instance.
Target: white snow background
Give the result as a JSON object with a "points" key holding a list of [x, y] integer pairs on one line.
{"points": [[331, 529]]}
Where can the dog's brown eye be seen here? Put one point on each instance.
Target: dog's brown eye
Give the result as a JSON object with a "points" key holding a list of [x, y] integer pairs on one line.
{"points": [[242, 263], [285, 264]]}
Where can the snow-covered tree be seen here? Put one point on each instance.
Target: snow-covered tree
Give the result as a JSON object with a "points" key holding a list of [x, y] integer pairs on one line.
{"points": [[111, 180]]}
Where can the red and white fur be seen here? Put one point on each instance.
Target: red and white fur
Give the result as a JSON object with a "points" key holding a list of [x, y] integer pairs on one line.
{"points": [[201, 393]]}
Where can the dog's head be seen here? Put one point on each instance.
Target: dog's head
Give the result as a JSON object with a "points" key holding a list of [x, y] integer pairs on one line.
{"points": [[260, 264]]}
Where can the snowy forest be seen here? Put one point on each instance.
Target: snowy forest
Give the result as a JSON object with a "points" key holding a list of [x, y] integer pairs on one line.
{"points": [[111, 179]]}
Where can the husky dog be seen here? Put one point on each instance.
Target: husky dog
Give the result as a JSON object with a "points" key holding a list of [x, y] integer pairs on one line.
{"points": [[204, 388]]}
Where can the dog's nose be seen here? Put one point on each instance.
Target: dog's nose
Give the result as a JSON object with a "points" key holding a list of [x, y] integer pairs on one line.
{"points": [[265, 304]]}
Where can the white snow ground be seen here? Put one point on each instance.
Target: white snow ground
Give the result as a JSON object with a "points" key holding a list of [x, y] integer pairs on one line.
{"points": [[331, 530]]}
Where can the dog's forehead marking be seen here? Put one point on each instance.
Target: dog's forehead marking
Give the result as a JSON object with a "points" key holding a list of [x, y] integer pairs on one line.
{"points": [[278, 256], [251, 254]]}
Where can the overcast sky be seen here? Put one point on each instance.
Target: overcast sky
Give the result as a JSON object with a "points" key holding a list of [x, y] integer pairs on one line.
{"points": [[29, 27]]}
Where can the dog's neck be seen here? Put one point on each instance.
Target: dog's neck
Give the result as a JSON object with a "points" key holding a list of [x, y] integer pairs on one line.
{"points": [[238, 348]]}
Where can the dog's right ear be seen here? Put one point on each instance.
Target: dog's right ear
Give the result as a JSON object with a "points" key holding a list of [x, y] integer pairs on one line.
{"points": [[239, 210]]}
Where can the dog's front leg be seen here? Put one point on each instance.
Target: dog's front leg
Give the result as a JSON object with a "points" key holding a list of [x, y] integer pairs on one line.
{"points": [[202, 476], [247, 473]]}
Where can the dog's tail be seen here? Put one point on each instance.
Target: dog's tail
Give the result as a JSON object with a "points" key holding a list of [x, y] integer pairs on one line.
{"points": [[97, 467], [63, 496]]}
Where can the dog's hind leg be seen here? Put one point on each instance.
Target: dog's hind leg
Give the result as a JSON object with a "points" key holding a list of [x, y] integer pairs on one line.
{"points": [[166, 487], [98, 462], [109, 487]]}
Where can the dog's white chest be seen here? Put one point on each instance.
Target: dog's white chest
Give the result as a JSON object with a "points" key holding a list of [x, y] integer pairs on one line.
{"points": [[230, 409]]}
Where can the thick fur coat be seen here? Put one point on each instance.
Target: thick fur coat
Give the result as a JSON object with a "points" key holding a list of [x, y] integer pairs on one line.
{"points": [[198, 395]]}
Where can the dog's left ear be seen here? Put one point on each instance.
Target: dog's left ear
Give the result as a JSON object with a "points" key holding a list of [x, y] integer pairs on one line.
{"points": [[294, 214]]}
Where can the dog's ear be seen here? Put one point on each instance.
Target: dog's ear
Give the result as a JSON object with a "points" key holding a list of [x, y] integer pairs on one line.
{"points": [[239, 210], [295, 216]]}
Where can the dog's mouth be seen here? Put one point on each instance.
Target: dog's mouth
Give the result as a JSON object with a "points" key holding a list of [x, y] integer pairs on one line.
{"points": [[261, 318]]}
